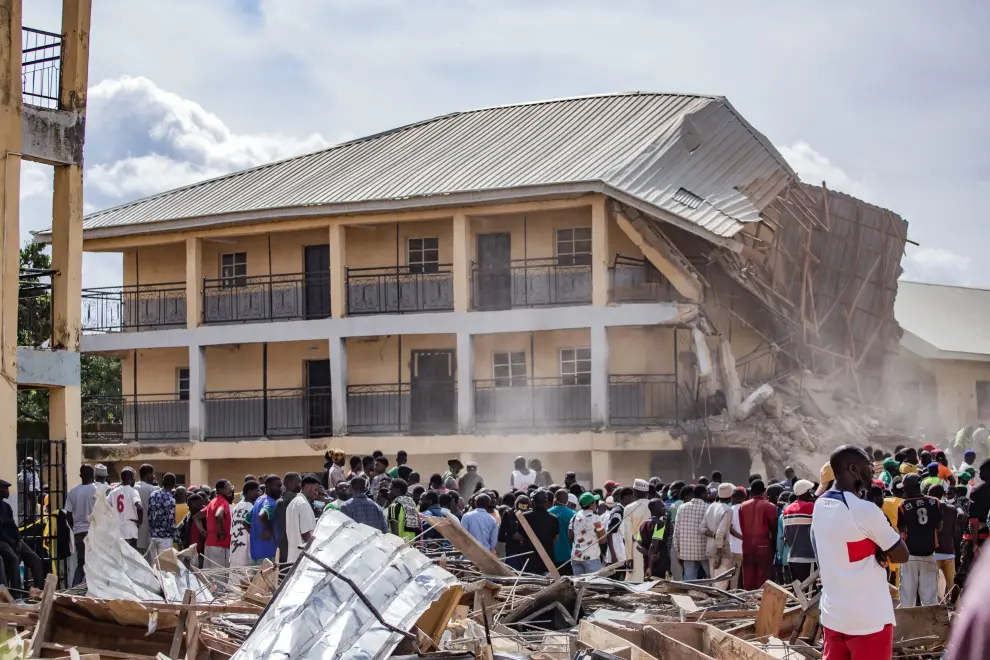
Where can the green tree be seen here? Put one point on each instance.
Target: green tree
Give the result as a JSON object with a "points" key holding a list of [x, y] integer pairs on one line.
{"points": [[100, 375]]}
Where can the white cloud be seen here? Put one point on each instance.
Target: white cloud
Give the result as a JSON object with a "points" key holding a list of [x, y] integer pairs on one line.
{"points": [[814, 167], [936, 265], [36, 179], [144, 140]]}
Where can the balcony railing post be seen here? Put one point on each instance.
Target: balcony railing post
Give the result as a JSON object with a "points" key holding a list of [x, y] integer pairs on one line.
{"points": [[347, 289]]}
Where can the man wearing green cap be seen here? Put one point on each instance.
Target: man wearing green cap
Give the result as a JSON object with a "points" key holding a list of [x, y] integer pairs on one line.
{"points": [[891, 468], [585, 534]]}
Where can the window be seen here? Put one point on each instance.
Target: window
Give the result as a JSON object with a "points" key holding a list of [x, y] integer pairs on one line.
{"points": [[509, 369], [982, 400], [233, 269], [182, 378], [424, 255], [575, 366], [574, 246]]}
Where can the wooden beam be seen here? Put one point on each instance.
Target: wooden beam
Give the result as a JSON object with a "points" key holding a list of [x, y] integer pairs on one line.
{"points": [[540, 550], [597, 637], [467, 545], [662, 253], [100, 653], [771, 611], [180, 625], [42, 630]]}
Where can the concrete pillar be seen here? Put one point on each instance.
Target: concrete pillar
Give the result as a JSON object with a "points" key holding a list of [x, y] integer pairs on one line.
{"points": [[462, 262], [65, 423], [601, 467], [197, 393], [338, 271], [338, 384], [10, 141], [599, 376], [199, 472], [67, 251], [465, 383], [194, 282], [600, 253]]}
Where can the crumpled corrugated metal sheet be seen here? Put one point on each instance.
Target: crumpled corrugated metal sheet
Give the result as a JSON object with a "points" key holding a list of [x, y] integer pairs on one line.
{"points": [[116, 571], [317, 615], [644, 145]]}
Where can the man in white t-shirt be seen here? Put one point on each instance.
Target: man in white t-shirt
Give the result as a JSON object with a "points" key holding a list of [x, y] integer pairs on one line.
{"points": [[126, 503], [79, 506], [522, 477], [300, 519], [735, 537], [145, 486], [852, 536], [240, 525]]}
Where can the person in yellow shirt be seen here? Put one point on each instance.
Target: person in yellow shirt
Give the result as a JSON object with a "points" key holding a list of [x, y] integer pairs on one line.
{"points": [[910, 463], [181, 508], [890, 507]]}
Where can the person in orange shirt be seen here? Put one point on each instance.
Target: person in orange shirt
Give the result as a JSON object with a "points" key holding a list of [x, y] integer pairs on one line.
{"points": [[944, 471]]}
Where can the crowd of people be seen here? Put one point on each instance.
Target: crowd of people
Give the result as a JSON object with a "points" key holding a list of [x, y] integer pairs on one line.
{"points": [[905, 518]]}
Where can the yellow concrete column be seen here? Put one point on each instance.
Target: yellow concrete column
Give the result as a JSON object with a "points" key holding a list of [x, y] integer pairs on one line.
{"points": [[194, 282], [199, 472], [462, 262], [338, 270], [75, 53], [600, 253], [10, 141], [65, 423], [67, 253], [601, 467]]}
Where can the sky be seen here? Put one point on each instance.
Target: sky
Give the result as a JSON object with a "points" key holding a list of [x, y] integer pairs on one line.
{"points": [[886, 100]]}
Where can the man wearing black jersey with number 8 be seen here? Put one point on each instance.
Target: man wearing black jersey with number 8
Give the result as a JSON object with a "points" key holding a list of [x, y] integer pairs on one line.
{"points": [[919, 520]]}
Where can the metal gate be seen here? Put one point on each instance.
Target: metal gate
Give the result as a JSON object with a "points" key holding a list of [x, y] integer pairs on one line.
{"points": [[41, 491]]}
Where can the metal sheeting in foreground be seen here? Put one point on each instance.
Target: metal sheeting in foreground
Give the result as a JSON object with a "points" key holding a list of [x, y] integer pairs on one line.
{"points": [[316, 615]]}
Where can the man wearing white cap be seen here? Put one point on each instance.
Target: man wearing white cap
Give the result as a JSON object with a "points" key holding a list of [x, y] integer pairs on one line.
{"points": [[100, 474], [634, 516], [797, 531], [718, 518]]}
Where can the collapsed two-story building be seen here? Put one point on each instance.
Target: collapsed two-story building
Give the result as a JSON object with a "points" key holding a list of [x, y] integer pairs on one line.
{"points": [[549, 280]]}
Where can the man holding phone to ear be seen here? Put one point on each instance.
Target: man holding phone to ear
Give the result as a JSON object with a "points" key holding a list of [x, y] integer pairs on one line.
{"points": [[854, 541]]}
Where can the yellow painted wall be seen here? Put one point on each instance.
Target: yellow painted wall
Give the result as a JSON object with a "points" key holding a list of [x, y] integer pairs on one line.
{"points": [[547, 347], [157, 370], [155, 264], [641, 350], [956, 383], [374, 246], [533, 234], [373, 360]]}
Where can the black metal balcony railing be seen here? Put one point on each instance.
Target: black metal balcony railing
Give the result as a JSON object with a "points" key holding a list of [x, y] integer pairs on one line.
{"points": [[41, 67], [298, 412], [530, 283], [134, 307], [420, 408], [399, 289], [266, 298], [34, 307], [638, 280], [135, 418], [531, 403], [644, 400]]}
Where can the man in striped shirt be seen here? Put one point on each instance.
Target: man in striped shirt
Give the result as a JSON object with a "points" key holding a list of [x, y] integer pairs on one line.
{"points": [[797, 531]]}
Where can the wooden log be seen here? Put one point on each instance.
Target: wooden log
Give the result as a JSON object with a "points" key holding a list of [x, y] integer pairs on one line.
{"points": [[468, 546], [43, 630], [180, 625], [100, 653], [771, 611], [597, 637]]}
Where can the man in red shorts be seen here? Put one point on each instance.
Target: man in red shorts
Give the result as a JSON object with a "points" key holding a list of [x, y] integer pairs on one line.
{"points": [[853, 540]]}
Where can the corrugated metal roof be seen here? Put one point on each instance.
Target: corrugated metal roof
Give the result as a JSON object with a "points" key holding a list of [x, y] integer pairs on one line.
{"points": [[643, 145], [952, 319], [316, 615]]}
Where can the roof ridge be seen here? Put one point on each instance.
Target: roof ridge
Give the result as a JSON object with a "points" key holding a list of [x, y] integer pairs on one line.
{"points": [[380, 134], [946, 286]]}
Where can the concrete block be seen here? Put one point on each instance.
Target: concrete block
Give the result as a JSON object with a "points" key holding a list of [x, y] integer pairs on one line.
{"points": [[54, 137], [47, 368]]}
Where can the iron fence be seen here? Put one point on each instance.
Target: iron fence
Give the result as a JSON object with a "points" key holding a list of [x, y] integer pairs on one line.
{"points": [[419, 408], [530, 283], [134, 307], [41, 67], [399, 289], [286, 297], [644, 400], [41, 490], [637, 280], [34, 307], [531, 403], [298, 412], [135, 418]]}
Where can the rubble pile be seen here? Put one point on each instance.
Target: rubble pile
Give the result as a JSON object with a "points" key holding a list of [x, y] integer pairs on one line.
{"points": [[355, 592]]}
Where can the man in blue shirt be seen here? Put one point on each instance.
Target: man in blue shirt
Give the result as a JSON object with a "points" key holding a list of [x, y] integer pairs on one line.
{"points": [[564, 513], [362, 509], [480, 523], [263, 534]]}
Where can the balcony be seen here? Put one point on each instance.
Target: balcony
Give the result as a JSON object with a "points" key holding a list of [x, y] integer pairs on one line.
{"points": [[417, 408], [134, 308], [242, 299], [640, 400], [520, 403], [522, 283], [41, 67], [135, 418], [34, 307], [638, 281], [399, 290], [276, 413]]}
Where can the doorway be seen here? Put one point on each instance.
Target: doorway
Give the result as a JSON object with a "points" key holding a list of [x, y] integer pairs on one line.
{"points": [[494, 286], [433, 397], [316, 281], [318, 403]]}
